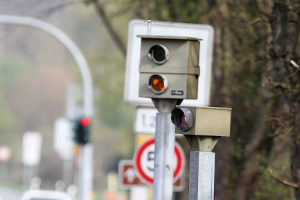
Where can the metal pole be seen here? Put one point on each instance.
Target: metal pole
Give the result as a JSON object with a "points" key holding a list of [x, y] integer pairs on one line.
{"points": [[84, 187], [86, 168], [164, 150], [164, 156], [202, 173]]}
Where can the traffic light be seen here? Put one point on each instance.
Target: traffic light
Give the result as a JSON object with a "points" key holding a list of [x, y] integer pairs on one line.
{"points": [[205, 121], [82, 130], [169, 67]]}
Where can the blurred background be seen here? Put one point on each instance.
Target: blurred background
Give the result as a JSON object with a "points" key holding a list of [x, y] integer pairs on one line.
{"points": [[255, 72]]}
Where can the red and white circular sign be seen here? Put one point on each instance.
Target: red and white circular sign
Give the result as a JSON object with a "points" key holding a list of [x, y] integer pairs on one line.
{"points": [[144, 161]]}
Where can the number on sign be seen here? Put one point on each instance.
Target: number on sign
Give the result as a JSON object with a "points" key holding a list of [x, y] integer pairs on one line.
{"points": [[150, 156], [145, 119], [152, 121], [148, 121]]}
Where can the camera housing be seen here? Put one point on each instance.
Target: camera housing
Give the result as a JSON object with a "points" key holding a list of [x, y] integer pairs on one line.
{"points": [[173, 62], [202, 121]]}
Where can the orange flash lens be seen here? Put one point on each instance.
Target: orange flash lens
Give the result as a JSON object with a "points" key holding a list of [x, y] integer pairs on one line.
{"points": [[158, 83]]}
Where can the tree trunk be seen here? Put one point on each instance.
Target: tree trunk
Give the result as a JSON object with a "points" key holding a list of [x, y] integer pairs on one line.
{"points": [[285, 76]]}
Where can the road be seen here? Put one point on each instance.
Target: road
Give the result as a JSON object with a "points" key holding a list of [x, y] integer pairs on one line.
{"points": [[9, 194]]}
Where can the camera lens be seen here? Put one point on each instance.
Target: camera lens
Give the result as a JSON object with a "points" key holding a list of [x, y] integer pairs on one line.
{"points": [[158, 84], [159, 54], [182, 118]]}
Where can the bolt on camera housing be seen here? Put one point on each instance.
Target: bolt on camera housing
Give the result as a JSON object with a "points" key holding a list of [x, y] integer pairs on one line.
{"points": [[202, 121], [169, 67]]}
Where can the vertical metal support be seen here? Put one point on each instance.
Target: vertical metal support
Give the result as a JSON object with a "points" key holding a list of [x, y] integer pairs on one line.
{"points": [[202, 175], [164, 156], [164, 149], [85, 172]]}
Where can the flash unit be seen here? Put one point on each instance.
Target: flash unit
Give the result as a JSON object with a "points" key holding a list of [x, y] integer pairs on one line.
{"points": [[182, 118], [158, 84], [159, 54]]}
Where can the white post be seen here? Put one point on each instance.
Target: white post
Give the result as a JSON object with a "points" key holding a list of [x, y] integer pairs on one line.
{"points": [[202, 174]]}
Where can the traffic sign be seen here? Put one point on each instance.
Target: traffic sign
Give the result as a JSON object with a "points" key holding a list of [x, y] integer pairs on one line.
{"points": [[144, 161], [140, 27], [128, 177], [145, 119], [63, 138], [32, 144]]}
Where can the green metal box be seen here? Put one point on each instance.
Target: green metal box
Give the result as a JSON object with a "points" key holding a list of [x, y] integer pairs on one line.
{"points": [[209, 121], [181, 68]]}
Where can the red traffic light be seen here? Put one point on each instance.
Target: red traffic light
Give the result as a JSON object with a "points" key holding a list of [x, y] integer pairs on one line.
{"points": [[85, 121]]}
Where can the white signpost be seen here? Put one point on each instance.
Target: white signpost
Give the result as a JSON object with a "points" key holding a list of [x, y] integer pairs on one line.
{"points": [[63, 141], [32, 143], [63, 144], [145, 120]]}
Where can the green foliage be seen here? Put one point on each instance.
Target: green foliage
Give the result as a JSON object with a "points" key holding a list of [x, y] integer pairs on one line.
{"points": [[88, 2], [11, 69], [269, 189], [115, 113], [242, 38], [116, 116], [242, 43], [7, 124], [179, 11]]}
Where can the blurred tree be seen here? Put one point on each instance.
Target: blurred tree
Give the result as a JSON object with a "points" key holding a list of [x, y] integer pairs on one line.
{"points": [[256, 72], [9, 72], [283, 80], [101, 8]]}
